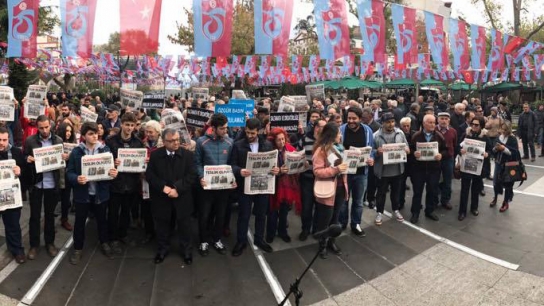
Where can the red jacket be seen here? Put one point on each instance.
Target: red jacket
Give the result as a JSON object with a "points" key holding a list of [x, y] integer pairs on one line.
{"points": [[287, 186]]}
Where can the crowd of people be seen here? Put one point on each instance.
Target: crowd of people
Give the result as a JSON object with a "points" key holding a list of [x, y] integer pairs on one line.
{"points": [[320, 195]]}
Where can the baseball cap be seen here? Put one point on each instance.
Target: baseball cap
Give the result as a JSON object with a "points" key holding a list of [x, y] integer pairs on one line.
{"points": [[387, 117]]}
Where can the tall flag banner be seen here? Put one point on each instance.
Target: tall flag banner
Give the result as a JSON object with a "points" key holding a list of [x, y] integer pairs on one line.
{"points": [[272, 26], [512, 43], [530, 48], [250, 66], [424, 66], [527, 68], [478, 45], [459, 45], [296, 64], [23, 28], [539, 63], [212, 27], [77, 25], [404, 24], [434, 28], [496, 56], [140, 20], [332, 28], [372, 24]]}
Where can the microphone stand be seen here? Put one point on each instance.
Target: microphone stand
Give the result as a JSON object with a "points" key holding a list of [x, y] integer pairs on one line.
{"points": [[293, 288]]}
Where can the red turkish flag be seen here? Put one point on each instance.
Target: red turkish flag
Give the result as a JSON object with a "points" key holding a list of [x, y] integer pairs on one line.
{"points": [[140, 21]]}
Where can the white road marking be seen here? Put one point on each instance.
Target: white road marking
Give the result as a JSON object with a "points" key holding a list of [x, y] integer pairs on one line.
{"points": [[7, 270], [458, 246]]}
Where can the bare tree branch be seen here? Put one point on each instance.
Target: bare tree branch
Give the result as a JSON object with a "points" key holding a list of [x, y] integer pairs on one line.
{"points": [[489, 15], [535, 30]]}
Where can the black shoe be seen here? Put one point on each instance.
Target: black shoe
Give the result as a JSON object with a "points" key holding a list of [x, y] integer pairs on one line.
{"points": [[461, 217], [432, 216], [285, 238], [204, 249], [475, 213], [371, 204], [264, 246], [401, 206], [482, 193], [414, 219], [220, 247], [269, 239], [525, 157], [344, 226], [188, 259], [238, 249], [358, 231], [159, 258], [447, 206], [147, 239], [334, 248], [323, 253], [303, 236]]}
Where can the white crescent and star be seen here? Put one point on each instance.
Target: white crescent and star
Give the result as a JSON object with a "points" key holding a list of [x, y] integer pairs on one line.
{"points": [[145, 12]]}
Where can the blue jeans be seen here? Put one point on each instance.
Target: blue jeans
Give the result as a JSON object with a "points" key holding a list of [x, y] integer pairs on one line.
{"points": [[356, 187], [260, 208]]}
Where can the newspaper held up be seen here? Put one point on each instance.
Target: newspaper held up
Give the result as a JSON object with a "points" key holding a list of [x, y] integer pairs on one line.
{"points": [[201, 93], [287, 105], [7, 108], [132, 160], [35, 104], [10, 194], [172, 119], [131, 98], [473, 160], [97, 167], [301, 103], [365, 155], [261, 181], [145, 190], [428, 150], [394, 153], [68, 147], [315, 92], [49, 158], [352, 158], [218, 177], [87, 115], [6, 170], [295, 162]]}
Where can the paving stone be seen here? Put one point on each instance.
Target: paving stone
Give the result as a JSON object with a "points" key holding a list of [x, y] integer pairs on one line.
{"points": [[363, 295], [450, 257], [494, 297], [485, 272], [399, 286], [423, 269], [522, 285], [327, 302], [7, 301]]}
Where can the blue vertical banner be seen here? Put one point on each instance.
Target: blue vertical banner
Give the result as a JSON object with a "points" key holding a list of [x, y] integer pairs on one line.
{"points": [[332, 28]]}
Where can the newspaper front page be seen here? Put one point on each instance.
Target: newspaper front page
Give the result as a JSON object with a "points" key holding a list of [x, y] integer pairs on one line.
{"points": [[287, 105], [132, 160], [260, 181], [239, 94], [68, 147], [145, 190], [315, 91], [6, 170], [295, 162], [10, 194], [49, 158], [96, 167], [87, 115], [35, 105], [218, 177], [131, 98], [7, 108], [394, 153], [200, 93], [428, 150], [172, 119], [473, 160], [365, 155], [352, 158]]}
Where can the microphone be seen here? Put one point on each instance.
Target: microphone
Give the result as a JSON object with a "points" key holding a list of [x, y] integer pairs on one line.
{"points": [[332, 231]]}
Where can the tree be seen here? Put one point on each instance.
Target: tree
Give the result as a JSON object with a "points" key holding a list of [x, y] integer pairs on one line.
{"points": [[112, 46], [522, 26]]}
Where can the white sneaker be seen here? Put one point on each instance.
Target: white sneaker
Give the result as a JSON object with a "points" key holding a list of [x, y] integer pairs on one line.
{"points": [[378, 220], [399, 217]]}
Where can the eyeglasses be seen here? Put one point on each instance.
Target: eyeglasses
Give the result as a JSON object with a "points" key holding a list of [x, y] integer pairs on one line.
{"points": [[172, 140], [475, 124]]}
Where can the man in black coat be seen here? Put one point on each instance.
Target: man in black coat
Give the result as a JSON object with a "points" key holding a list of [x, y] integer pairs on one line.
{"points": [[251, 143], [171, 174], [527, 131]]}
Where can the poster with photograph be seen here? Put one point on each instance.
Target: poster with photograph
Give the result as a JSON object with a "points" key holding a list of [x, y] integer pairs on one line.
{"points": [[35, 94], [96, 167], [295, 162], [352, 158], [172, 119], [394, 153], [87, 115], [218, 177], [365, 155], [68, 147], [428, 150], [200, 93], [131, 98], [198, 117], [7, 108], [10, 194], [49, 158], [473, 160], [287, 105], [132, 160], [239, 94], [315, 92], [6, 170], [261, 181]]}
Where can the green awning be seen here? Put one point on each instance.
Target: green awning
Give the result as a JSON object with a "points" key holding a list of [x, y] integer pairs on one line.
{"points": [[501, 87], [431, 82], [461, 86], [400, 83]]}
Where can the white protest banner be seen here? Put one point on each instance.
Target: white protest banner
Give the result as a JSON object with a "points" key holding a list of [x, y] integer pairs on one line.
{"points": [[7, 108], [10, 194], [260, 181], [87, 115], [6, 170], [394, 153], [315, 92], [365, 155], [239, 94], [295, 162], [200, 93], [473, 160], [132, 160], [49, 158], [352, 158], [218, 177], [131, 98], [428, 150], [96, 167], [68, 147]]}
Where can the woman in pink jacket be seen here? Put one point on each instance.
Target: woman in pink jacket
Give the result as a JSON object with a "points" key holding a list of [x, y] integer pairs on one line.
{"points": [[328, 165]]}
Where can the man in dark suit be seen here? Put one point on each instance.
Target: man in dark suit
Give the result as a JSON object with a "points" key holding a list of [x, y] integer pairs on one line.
{"points": [[251, 143], [171, 174]]}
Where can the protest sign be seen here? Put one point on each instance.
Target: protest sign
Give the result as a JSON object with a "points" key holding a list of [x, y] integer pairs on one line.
{"points": [[96, 167], [10, 194], [153, 101], [315, 92], [394, 153], [295, 162], [260, 181], [131, 98], [250, 105], [7, 108], [132, 160], [200, 93], [197, 117], [428, 150], [218, 177], [236, 113], [87, 115], [287, 121], [473, 160], [48, 158]]}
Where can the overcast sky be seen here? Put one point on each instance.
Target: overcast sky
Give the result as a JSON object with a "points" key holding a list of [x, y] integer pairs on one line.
{"points": [[107, 18]]}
